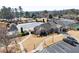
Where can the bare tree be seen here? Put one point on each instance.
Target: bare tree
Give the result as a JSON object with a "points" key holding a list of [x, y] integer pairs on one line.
{"points": [[4, 39]]}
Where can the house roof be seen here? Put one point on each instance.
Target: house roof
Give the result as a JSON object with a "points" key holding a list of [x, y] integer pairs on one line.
{"points": [[76, 25], [13, 27], [63, 22], [46, 26]]}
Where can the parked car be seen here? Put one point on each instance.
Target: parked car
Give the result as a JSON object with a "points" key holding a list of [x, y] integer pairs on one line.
{"points": [[70, 41], [75, 41]]}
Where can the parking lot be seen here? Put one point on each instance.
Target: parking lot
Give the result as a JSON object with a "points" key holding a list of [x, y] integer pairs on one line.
{"points": [[61, 47]]}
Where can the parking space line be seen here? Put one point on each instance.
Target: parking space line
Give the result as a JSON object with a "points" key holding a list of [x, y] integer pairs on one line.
{"points": [[64, 46], [43, 51], [56, 49], [53, 49], [70, 46], [61, 49], [47, 51]]}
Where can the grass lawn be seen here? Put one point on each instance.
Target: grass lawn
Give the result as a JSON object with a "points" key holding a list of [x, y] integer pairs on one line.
{"points": [[54, 39], [34, 41]]}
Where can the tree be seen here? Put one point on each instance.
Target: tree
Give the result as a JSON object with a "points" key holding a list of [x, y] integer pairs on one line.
{"points": [[21, 12], [50, 16], [55, 14], [77, 18], [3, 12], [4, 39], [43, 20], [6, 13], [27, 14], [60, 16], [16, 13], [33, 16], [0, 14], [10, 13], [22, 32], [45, 13]]}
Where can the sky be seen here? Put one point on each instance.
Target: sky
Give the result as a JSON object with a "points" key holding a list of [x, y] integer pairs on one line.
{"points": [[38, 5]]}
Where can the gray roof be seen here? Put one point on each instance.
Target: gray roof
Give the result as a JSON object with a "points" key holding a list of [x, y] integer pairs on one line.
{"points": [[46, 26], [13, 27], [63, 22]]}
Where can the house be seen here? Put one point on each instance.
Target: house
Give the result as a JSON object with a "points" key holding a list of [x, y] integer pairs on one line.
{"points": [[28, 26], [12, 31], [13, 27], [42, 20], [65, 23], [69, 16], [54, 25], [42, 28], [75, 26], [47, 28]]}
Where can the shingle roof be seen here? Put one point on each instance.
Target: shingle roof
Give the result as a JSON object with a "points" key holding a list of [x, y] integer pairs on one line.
{"points": [[63, 22], [46, 26], [13, 27]]}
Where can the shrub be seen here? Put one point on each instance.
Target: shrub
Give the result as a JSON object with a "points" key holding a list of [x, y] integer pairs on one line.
{"points": [[23, 33], [32, 32], [22, 30], [43, 33], [26, 33]]}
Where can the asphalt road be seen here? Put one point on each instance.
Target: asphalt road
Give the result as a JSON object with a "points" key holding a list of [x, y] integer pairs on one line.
{"points": [[61, 47]]}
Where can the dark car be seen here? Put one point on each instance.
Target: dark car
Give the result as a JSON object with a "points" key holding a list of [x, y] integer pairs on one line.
{"points": [[75, 41], [71, 42]]}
